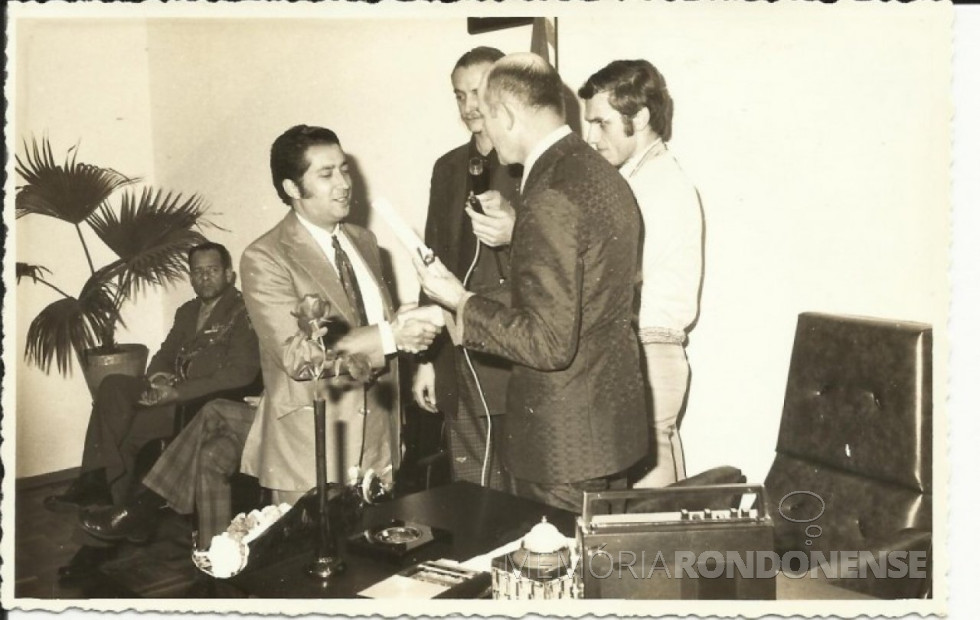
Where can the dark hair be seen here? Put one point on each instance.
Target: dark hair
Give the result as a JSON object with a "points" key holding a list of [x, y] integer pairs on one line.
{"points": [[210, 246], [477, 56], [632, 85], [288, 157], [529, 79]]}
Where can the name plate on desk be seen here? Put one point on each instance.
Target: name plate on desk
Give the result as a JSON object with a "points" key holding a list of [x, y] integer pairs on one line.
{"points": [[676, 543]]}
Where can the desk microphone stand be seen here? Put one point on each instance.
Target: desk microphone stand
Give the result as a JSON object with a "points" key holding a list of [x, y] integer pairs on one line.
{"points": [[326, 561]]}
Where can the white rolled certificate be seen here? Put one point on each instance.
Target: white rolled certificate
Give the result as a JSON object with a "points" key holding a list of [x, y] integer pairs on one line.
{"points": [[406, 236]]}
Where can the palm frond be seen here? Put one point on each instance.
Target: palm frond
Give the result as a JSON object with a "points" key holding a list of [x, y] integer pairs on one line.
{"points": [[34, 272], [69, 191], [69, 325], [151, 234]]}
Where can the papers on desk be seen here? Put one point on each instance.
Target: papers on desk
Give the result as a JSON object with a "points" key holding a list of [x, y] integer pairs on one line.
{"points": [[446, 578], [399, 586], [436, 579]]}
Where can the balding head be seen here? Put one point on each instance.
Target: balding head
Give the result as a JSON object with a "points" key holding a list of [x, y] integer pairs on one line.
{"points": [[521, 102], [528, 81]]}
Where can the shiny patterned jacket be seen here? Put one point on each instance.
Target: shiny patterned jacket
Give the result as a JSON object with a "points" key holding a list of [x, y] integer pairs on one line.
{"points": [[574, 403]]}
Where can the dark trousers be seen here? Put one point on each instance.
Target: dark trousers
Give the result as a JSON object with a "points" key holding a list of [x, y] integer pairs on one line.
{"points": [[470, 459], [567, 495], [118, 428]]}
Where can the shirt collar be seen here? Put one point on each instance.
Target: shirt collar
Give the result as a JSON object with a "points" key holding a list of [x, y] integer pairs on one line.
{"points": [[633, 163], [320, 235], [546, 143]]}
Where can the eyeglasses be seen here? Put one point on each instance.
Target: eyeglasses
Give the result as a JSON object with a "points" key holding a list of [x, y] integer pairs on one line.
{"points": [[211, 272]]}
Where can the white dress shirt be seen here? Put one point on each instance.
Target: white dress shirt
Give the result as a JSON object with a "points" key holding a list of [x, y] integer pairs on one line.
{"points": [[672, 224], [369, 287]]}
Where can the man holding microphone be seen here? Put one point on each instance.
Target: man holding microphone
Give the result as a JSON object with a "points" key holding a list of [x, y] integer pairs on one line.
{"points": [[469, 226]]}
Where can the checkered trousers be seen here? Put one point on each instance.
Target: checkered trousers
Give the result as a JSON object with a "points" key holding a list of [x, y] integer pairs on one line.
{"points": [[194, 471]]}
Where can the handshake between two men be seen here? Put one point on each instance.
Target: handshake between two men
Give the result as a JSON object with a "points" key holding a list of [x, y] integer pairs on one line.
{"points": [[415, 327]]}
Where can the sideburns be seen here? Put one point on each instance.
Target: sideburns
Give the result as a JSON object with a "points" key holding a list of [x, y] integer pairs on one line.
{"points": [[628, 125]]}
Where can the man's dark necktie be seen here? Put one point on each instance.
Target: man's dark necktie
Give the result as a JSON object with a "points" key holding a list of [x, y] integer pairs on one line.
{"points": [[349, 281]]}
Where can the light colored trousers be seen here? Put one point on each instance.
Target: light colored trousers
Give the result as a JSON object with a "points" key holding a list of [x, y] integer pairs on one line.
{"points": [[667, 376]]}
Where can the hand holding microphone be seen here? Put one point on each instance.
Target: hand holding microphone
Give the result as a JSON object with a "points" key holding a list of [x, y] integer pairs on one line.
{"points": [[494, 224], [491, 215]]}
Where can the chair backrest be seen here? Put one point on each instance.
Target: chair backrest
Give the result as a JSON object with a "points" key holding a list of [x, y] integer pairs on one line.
{"points": [[854, 454]]}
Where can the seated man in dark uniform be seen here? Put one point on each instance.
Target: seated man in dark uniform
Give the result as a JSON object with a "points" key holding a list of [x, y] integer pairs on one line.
{"points": [[210, 348]]}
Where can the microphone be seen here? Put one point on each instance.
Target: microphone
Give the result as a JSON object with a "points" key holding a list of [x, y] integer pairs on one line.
{"points": [[479, 182]]}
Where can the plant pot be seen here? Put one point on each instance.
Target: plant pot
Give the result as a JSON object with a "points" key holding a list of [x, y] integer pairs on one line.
{"points": [[126, 359]]}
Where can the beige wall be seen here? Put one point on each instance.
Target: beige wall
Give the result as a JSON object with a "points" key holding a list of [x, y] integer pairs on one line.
{"points": [[819, 152], [820, 147], [86, 83]]}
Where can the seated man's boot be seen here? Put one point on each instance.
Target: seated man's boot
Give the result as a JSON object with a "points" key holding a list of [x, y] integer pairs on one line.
{"points": [[84, 563], [89, 489], [115, 524], [135, 522]]}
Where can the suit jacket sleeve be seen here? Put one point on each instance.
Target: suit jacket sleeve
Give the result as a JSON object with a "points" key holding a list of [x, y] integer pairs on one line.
{"points": [[240, 369], [163, 359], [271, 296], [540, 327]]}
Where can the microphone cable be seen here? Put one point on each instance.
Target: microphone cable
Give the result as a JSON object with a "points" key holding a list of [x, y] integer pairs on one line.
{"points": [[479, 387]]}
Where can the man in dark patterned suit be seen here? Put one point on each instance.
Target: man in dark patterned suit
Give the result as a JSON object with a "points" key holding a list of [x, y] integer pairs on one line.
{"points": [[469, 388], [575, 414]]}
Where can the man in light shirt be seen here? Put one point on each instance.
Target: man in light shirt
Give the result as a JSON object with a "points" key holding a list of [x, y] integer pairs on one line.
{"points": [[629, 113], [575, 400], [312, 251]]}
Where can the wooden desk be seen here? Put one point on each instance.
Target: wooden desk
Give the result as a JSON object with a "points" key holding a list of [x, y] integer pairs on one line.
{"points": [[479, 519]]}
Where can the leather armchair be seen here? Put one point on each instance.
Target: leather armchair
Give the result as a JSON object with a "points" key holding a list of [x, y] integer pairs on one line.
{"points": [[853, 466]]}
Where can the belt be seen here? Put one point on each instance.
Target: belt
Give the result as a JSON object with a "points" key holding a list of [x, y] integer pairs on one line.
{"points": [[662, 335]]}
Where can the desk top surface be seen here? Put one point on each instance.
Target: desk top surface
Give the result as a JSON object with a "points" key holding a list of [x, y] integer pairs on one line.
{"points": [[479, 520]]}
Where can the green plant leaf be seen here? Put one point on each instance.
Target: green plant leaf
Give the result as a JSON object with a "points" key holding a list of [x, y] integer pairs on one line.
{"points": [[151, 234], [69, 192], [70, 325]]}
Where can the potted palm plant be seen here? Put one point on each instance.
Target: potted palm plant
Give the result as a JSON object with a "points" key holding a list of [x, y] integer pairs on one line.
{"points": [[150, 232]]}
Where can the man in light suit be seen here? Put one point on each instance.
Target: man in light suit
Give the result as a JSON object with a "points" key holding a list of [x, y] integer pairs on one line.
{"points": [[312, 251], [575, 416]]}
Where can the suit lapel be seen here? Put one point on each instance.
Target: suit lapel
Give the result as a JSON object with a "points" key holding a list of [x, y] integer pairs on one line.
{"points": [[219, 314], [303, 250], [457, 172], [368, 256]]}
